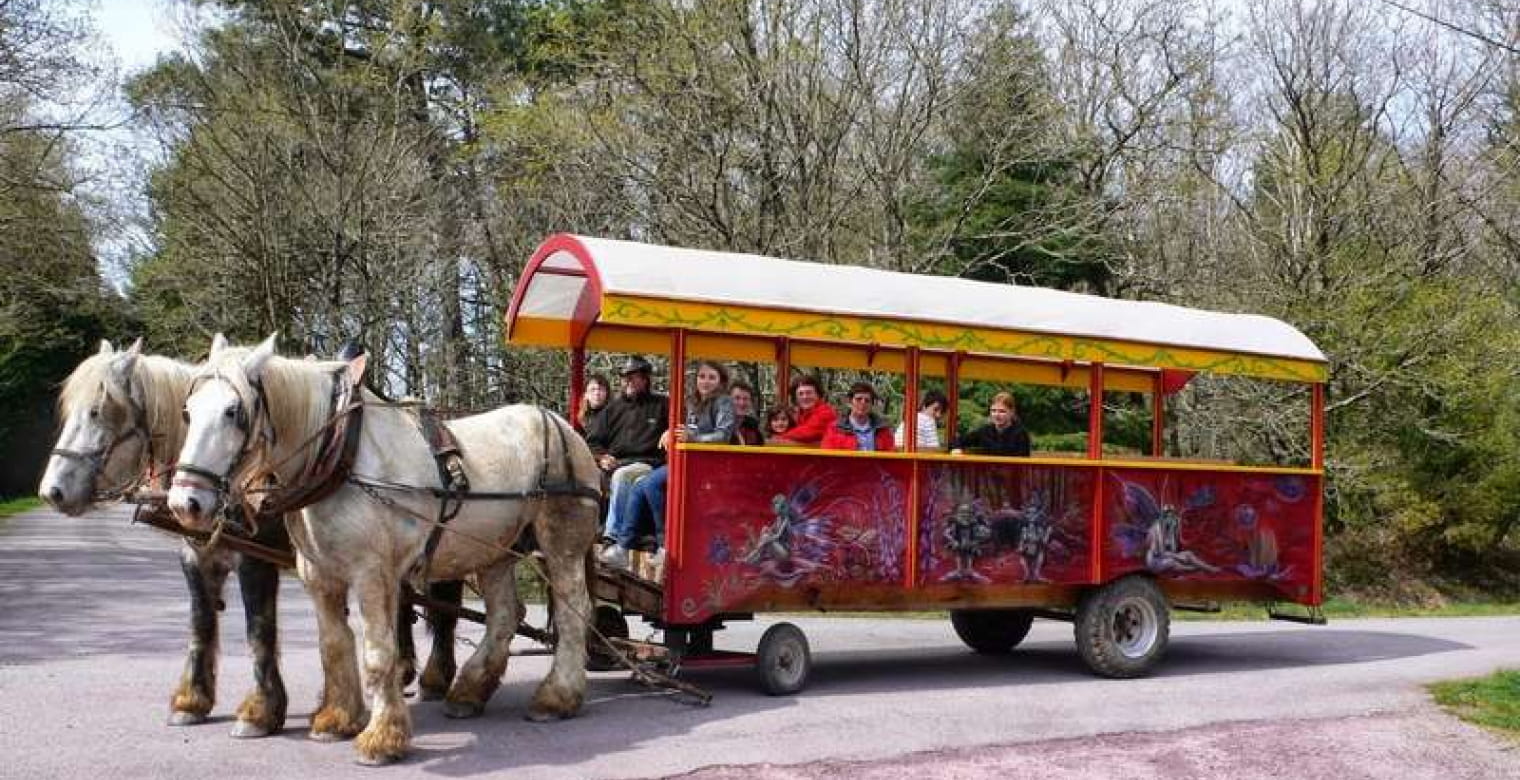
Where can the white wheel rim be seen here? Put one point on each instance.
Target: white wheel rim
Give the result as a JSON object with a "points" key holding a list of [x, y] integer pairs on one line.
{"points": [[1135, 626], [788, 663]]}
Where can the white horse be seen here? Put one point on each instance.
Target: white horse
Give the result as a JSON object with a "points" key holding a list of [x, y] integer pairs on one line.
{"points": [[252, 416], [121, 423]]}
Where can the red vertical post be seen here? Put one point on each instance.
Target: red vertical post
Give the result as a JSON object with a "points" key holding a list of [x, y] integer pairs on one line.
{"points": [[952, 394], [1158, 416], [675, 493], [910, 403], [1317, 462], [783, 373], [1095, 411], [1317, 426], [910, 444], [1095, 452], [577, 384]]}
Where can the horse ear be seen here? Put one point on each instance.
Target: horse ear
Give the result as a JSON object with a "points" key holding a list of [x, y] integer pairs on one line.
{"points": [[136, 348], [121, 372], [356, 368], [218, 343], [253, 365], [105, 348]]}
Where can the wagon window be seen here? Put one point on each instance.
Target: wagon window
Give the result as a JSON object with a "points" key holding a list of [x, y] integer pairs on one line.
{"points": [[1254, 422]]}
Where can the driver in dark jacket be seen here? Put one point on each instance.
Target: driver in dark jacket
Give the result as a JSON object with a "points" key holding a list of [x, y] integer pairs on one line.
{"points": [[628, 447]]}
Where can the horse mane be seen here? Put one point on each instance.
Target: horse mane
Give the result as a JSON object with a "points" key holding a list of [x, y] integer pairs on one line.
{"points": [[296, 394], [163, 383]]}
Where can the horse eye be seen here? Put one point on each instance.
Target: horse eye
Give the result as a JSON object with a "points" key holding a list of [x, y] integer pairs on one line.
{"points": [[94, 414], [230, 412], [184, 414]]}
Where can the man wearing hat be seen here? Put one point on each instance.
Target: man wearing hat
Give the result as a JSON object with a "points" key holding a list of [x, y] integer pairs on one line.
{"points": [[635, 421]]}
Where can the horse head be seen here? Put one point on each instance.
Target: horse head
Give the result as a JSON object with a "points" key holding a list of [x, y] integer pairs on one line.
{"points": [[241, 403], [105, 442]]}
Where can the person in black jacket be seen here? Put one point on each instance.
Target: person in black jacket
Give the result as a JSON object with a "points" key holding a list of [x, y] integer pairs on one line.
{"points": [[1002, 435], [628, 446]]}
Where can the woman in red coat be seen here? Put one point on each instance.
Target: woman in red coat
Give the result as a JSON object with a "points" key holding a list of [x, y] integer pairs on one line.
{"points": [[862, 429], [814, 416]]}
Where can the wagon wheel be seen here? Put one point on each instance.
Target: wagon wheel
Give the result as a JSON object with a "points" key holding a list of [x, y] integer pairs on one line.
{"points": [[1122, 628], [783, 659], [607, 621], [991, 631]]}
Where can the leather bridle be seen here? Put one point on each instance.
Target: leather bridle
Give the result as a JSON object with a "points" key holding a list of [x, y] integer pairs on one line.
{"points": [[97, 459]]}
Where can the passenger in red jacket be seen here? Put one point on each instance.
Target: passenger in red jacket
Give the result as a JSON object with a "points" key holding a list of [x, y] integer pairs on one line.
{"points": [[814, 415], [862, 429]]}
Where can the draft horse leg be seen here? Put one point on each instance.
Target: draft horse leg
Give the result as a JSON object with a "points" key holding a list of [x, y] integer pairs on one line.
{"points": [[340, 713], [389, 732], [483, 670], [565, 529], [438, 675], [263, 710], [196, 694]]}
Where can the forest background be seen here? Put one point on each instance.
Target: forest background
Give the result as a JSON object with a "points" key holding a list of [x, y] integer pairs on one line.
{"points": [[381, 170]]}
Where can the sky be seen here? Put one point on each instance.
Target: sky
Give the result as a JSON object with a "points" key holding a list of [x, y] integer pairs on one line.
{"points": [[137, 30]]}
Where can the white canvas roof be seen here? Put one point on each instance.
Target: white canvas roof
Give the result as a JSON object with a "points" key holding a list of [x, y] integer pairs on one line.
{"points": [[647, 270]]}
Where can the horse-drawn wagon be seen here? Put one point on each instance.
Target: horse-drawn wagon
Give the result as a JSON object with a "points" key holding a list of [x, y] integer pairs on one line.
{"points": [[1110, 543]]}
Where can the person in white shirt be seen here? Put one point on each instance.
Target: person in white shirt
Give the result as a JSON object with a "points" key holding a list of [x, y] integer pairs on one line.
{"points": [[930, 408]]}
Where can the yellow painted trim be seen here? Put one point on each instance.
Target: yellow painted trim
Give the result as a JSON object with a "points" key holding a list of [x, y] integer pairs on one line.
{"points": [[749, 320], [1120, 463]]}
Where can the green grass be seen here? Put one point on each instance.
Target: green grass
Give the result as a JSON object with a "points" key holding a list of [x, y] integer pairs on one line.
{"points": [[14, 506], [1492, 701], [1345, 608]]}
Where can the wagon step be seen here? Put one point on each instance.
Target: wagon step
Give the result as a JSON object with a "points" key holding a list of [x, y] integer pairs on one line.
{"points": [[1210, 607], [1315, 616]]}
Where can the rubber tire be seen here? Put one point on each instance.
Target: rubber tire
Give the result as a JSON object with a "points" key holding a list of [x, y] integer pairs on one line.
{"points": [[991, 631], [609, 621], [1102, 646], [783, 660]]}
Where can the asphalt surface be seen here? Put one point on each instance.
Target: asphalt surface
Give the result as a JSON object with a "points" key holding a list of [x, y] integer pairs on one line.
{"points": [[93, 622]]}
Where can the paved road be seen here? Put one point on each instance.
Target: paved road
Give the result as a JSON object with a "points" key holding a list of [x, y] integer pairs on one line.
{"points": [[92, 617]]}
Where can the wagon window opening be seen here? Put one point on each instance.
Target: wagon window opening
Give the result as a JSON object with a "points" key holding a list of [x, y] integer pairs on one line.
{"points": [[1056, 417], [1241, 420], [1127, 421]]}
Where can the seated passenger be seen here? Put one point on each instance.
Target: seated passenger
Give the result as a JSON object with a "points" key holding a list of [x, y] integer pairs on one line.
{"points": [[709, 420], [1002, 435], [814, 416], [930, 408], [746, 424], [591, 417], [778, 421], [629, 446], [862, 429]]}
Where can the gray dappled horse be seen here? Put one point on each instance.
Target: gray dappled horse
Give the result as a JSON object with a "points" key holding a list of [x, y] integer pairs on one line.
{"points": [[250, 413], [121, 415]]}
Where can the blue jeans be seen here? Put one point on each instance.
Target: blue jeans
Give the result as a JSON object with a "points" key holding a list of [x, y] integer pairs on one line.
{"points": [[618, 487], [640, 506]]}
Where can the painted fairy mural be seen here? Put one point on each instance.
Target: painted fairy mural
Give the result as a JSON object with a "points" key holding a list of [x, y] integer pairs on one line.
{"points": [[994, 524], [1203, 526]]}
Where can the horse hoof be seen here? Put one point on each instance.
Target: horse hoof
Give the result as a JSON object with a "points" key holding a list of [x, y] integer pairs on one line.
{"points": [[244, 729], [182, 718], [461, 710], [325, 736], [536, 715], [381, 760]]}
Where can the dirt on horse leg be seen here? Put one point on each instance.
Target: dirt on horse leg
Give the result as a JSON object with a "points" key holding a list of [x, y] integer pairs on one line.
{"points": [[340, 713], [389, 732], [561, 693], [196, 693], [263, 710], [440, 669], [482, 672]]}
